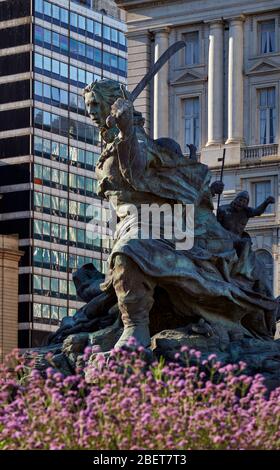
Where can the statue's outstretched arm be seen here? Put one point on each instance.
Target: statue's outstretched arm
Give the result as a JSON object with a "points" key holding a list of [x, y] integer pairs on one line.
{"points": [[254, 212]]}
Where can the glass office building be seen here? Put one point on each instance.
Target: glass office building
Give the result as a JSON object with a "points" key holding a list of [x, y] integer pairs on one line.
{"points": [[49, 148]]}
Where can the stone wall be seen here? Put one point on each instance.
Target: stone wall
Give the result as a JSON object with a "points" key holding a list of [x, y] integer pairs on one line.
{"points": [[9, 258]]}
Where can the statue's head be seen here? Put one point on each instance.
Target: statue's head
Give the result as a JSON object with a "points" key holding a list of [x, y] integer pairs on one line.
{"points": [[99, 97], [241, 201]]}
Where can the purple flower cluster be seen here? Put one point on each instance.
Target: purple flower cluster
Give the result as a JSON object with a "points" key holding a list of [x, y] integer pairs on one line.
{"points": [[125, 404]]}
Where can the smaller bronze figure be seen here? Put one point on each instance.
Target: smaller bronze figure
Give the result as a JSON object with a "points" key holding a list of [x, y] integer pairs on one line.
{"points": [[234, 216]]}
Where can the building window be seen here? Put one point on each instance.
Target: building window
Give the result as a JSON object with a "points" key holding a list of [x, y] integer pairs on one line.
{"points": [[261, 190], [192, 48], [266, 261], [37, 310], [39, 35], [46, 311], [39, 6], [106, 33], [38, 145], [97, 29], [267, 36], [267, 115], [90, 26], [48, 9], [82, 23], [38, 61], [62, 312], [74, 19], [54, 313], [192, 122]]}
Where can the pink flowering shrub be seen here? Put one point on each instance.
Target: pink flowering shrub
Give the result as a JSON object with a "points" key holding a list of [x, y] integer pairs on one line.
{"points": [[129, 405]]}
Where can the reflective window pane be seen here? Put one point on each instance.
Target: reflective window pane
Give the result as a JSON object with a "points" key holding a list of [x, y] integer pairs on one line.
{"points": [[55, 40], [63, 44], [47, 64], [90, 26], [37, 310], [64, 16], [54, 312], [38, 118], [54, 285], [38, 61], [114, 35], [106, 33], [38, 144], [45, 311], [46, 147], [47, 8], [55, 67], [122, 38], [97, 29], [81, 76], [56, 12], [62, 312], [63, 70], [38, 89], [73, 73], [46, 119], [47, 91], [64, 97], [39, 35], [63, 286], [55, 94], [82, 22], [74, 19], [47, 201], [39, 7], [47, 37]]}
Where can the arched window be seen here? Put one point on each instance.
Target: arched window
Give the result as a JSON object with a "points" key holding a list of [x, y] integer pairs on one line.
{"points": [[267, 260]]}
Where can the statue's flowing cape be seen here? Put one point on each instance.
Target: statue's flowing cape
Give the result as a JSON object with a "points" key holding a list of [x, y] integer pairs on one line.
{"points": [[207, 280]]}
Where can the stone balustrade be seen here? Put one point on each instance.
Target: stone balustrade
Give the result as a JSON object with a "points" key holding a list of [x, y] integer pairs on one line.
{"points": [[256, 152]]}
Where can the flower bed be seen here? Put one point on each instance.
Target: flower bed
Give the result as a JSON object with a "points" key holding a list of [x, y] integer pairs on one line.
{"points": [[129, 405]]}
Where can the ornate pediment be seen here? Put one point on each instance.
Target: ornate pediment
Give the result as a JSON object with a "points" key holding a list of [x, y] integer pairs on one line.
{"points": [[264, 66], [188, 77]]}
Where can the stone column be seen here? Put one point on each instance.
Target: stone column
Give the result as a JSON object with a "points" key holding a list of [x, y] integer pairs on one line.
{"points": [[215, 83], [235, 81], [9, 272], [161, 95], [139, 63]]}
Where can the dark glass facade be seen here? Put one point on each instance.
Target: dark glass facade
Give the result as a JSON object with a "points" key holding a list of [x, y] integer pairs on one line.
{"points": [[49, 148]]}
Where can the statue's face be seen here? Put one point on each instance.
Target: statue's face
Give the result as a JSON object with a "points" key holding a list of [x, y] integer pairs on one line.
{"points": [[97, 108], [240, 203]]}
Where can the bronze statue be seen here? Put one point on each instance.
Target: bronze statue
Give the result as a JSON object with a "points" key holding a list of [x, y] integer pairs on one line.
{"points": [[209, 281], [202, 282], [234, 216], [210, 296]]}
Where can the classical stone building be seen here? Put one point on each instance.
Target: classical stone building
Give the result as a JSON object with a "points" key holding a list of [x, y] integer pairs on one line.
{"points": [[222, 91], [9, 273]]}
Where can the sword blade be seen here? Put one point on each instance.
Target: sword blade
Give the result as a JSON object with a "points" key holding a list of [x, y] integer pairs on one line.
{"points": [[156, 67]]}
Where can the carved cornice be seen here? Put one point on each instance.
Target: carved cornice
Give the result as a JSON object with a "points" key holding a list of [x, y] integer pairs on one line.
{"points": [[133, 4], [151, 14]]}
